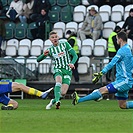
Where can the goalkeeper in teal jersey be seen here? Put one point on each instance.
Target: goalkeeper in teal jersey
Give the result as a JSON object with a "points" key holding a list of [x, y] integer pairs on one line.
{"points": [[63, 64], [124, 81]]}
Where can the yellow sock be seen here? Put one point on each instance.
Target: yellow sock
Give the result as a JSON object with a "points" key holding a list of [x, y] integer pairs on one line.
{"points": [[35, 92], [10, 105]]}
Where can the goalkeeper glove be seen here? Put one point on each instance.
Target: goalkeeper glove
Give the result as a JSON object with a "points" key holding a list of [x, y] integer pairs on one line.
{"points": [[97, 76]]}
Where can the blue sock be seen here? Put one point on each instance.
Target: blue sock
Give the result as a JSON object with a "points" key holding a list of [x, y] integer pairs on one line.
{"points": [[93, 96], [129, 105]]}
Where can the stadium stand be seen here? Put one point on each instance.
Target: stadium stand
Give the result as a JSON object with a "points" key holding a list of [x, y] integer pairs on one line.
{"points": [[56, 8], [10, 26], [31, 63], [85, 2], [73, 26], [120, 23], [104, 15], [83, 65], [74, 2], [59, 27], [78, 16], [80, 8], [23, 50], [13, 42], [59, 21], [108, 27], [62, 2], [35, 50], [52, 2], [20, 59], [30, 26], [54, 16], [4, 2], [25, 42], [11, 50], [118, 8], [87, 47], [65, 16], [38, 42], [45, 66], [105, 8], [21, 30]]}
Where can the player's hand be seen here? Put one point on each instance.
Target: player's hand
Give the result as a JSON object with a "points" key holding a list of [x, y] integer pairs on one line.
{"points": [[97, 76], [71, 66], [46, 52]]}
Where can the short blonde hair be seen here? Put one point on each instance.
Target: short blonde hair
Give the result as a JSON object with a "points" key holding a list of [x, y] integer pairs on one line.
{"points": [[52, 32]]}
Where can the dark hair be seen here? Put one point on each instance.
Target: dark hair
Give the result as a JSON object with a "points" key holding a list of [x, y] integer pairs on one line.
{"points": [[131, 10], [71, 33], [68, 32], [122, 35], [117, 29]]}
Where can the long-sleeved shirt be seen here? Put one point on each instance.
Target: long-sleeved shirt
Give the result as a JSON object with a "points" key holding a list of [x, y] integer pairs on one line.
{"points": [[124, 65], [128, 23], [61, 55]]}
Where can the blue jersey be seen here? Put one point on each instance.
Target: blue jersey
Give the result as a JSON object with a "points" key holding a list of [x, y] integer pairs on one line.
{"points": [[5, 87], [124, 65]]}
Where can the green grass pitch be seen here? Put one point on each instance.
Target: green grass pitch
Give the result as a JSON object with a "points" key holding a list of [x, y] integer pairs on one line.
{"points": [[87, 117]]}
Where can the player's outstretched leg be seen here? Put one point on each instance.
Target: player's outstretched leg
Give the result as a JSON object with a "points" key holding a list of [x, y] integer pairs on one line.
{"points": [[31, 91], [95, 95]]}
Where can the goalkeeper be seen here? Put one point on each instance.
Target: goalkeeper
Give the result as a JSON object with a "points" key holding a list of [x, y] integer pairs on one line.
{"points": [[124, 81]]}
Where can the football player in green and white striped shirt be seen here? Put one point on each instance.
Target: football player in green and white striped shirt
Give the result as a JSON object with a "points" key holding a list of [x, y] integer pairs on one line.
{"points": [[60, 52]]}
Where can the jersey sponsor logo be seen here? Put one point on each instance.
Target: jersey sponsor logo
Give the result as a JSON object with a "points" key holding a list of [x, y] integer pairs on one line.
{"points": [[58, 55]]}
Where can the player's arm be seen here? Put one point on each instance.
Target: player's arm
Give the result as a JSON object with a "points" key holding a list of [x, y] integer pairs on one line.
{"points": [[43, 56], [98, 75], [115, 59], [74, 55]]}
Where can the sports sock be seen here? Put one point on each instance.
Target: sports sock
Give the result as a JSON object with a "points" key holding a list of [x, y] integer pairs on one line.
{"points": [[129, 105], [57, 91], [35, 92], [10, 105], [54, 101], [93, 96]]}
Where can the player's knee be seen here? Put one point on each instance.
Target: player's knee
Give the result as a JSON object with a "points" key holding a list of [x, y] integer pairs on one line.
{"points": [[20, 85]]}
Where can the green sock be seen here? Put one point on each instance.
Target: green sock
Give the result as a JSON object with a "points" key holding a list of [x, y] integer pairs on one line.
{"points": [[54, 101], [57, 91]]}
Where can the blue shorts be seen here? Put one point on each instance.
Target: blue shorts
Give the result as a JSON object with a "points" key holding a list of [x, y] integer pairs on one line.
{"points": [[120, 89], [5, 87]]}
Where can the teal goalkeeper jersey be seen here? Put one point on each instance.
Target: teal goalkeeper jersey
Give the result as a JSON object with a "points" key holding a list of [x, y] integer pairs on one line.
{"points": [[124, 65], [61, 54]]}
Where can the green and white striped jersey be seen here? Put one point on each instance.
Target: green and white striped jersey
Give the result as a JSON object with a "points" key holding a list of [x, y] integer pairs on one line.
{"points": [[61, 55]]}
